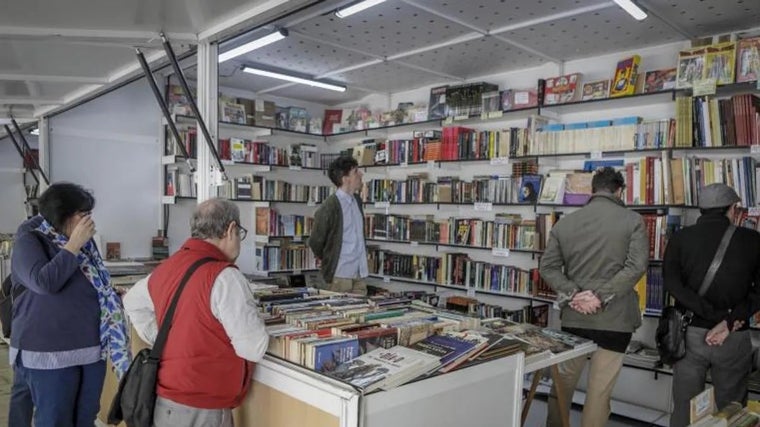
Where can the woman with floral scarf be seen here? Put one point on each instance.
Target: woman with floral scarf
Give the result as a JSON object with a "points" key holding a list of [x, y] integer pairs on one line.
{"points": [[68, 319]]}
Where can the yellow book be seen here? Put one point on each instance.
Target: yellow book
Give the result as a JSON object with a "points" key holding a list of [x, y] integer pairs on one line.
{"points": [[626, 73], [641, 290]]}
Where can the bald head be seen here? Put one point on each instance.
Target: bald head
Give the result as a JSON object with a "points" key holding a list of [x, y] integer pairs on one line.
{"points": [[212, 218]]}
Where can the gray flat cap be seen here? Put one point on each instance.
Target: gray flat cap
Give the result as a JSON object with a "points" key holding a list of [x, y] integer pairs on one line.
{"points": [[717, 196]]}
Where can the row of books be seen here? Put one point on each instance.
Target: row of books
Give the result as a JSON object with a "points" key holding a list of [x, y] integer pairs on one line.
{"points": [[179, 182], [254, 187], [262, 153], [189, 138], [506, 231], [710, 122], [270, 222], [451, 189], [457, 269], [287, 256]]}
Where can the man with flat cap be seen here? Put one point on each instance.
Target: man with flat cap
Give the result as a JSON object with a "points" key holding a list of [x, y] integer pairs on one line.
{"points": [[717, 339]]}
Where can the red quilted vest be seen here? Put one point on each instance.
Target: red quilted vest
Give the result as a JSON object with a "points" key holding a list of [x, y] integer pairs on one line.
{"points": [[199, 367]]}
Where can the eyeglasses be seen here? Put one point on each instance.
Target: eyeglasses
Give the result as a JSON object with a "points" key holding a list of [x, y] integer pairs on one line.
{"points": [[242, 232]]}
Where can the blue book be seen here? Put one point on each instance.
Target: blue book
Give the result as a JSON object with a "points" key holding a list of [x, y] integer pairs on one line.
{"points": [[449, 347], [599, 124], [632, 120], [330, 354], [553, 127], [571, 126], [592, 165]]}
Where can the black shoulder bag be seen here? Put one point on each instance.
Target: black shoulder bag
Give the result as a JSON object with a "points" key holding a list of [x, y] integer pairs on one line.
{"points": [[671, 330], [136, 397]]}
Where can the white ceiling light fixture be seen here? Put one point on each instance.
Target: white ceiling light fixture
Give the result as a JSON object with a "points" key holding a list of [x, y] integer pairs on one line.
{"points": [[35, 132], [294, 79], [253, 45], [632, 8], [357, 7]]}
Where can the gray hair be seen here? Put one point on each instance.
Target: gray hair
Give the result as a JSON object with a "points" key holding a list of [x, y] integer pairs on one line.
{"points": [[211, 218]]}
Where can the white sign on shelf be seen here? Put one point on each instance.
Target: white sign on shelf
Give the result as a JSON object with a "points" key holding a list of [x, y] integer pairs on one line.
{"points": [[754, 149], [501, 252], [500, 161], [414, 243], [484, 116], [297, 239], [597, 154], [470, 292], [404, 164], [754, 211], [311, 203], [431, 164], [386, 279], [461, 117], [382, 205], [704, 87], [294, 168], [495, 114], [483, 206], [449, 120]]}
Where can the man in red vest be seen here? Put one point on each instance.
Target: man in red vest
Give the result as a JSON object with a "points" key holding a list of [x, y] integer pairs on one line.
{"points": [[216, 334]]}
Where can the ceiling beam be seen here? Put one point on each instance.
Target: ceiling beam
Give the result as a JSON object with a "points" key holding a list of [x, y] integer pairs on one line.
{"points": [[10, 76], [29, 100], [7, 31]]}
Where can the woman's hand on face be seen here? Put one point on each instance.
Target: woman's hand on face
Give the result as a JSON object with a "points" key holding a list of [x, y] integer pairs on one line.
{"points": [[83, 232]]}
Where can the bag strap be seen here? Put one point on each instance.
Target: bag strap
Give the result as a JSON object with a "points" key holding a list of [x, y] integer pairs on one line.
{"points": [[707, 281], [163, 332]]}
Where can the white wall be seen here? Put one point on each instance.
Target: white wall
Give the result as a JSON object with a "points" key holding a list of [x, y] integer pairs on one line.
{"points": [[110, 145], [12, 193]]}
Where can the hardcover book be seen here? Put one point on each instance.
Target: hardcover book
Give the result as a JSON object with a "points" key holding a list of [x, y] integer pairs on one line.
{"points": [[747, 59], [624, 82], [659, 80], [563, 89], [599, 89]]}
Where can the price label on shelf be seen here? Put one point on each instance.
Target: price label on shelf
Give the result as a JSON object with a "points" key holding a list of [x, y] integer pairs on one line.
{"points": [[386, 279], [754, 149], [461, 117], [414, 243], [311, 203], [704, 87], [449, 120], [500, 161], [597, 154], [754, 211], [404, 165], [294, 168], [484, 116], [296, 271], [495, 114], [297, 239], [382, 205], [431, 164], [501, 252], [470, 292], [483, 206]]}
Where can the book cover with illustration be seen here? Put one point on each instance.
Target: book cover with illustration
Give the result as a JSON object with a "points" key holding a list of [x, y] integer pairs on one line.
{"points": [[562, 89], [660, 80], [747, 59], [624, 82], [719, 62], [530, 188], [691, 66], [599, 89], [437, 108]]}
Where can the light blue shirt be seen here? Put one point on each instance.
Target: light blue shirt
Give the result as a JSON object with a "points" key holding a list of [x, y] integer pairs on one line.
{"points": [[56, 359], [353, 252]]}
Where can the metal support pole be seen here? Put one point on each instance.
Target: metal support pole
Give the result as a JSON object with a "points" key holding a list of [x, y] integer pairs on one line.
{"points": [[28, 149], [164, 108]]}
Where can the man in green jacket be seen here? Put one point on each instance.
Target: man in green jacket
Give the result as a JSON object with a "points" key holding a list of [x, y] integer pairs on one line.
{"points": [[593, 260], [337, 237]]}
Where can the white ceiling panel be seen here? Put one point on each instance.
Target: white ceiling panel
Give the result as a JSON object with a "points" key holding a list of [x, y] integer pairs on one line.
{"points": [[386, 29], [480, 57], [13, 89], [387, 77], [302, 55], [603, 31], [708, 17], [492, 14], [60, 58], [321, 96]]}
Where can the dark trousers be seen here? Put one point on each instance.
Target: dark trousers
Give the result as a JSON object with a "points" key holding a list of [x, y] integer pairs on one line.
{"points": [[67, 397], [729, 366], [22, 407]]}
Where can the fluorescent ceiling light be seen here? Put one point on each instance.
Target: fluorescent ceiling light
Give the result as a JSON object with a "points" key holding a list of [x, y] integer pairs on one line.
{"points": [[357, 7], [265, 73], [253, 45], [35, 132], [633, 9]]}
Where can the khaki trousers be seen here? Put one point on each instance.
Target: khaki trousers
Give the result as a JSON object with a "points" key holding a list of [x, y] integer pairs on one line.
{"points": [[602, 375], [351, 286], [168, 413]]}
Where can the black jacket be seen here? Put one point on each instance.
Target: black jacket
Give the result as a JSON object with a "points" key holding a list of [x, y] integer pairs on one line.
{"points": [[735, 292]]}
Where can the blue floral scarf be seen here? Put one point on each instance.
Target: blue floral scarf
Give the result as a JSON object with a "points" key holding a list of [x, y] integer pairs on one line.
{"points": [[114, 337]]}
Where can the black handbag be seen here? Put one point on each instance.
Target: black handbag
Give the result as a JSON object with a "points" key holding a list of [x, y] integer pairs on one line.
{"points": [[671, 329], [135, 399]]}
